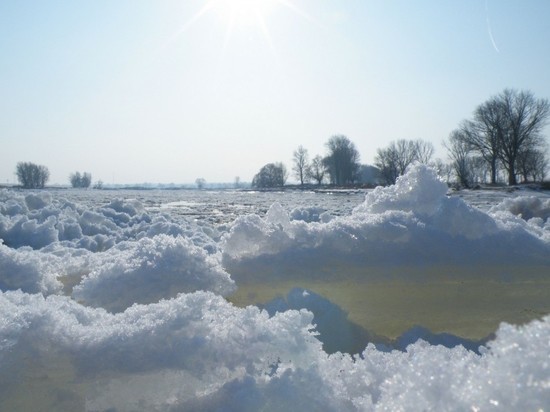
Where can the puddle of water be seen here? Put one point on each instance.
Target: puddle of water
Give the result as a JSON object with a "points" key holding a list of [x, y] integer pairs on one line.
{"points": [[466, 301]]}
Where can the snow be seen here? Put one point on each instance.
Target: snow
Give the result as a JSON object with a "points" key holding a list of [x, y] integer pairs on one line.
{"points": [[123, 303], [150, 269], [412, 221]]}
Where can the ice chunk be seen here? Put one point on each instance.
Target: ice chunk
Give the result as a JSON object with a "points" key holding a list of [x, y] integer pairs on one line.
{"points": [[420, 190], [526, 207], [38, 200]]}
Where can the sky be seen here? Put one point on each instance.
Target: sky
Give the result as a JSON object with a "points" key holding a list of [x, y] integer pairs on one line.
{"points": [[136, 91]]}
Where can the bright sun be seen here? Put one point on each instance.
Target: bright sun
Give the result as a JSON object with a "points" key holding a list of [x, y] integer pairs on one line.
{"points": [[240, 13]]}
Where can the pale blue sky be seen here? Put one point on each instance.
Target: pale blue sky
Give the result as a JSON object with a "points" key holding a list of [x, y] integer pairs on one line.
{"points": [[150, 91]]}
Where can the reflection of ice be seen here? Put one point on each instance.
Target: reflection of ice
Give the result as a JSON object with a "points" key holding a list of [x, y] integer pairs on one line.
{"points": [[339, 334], [336, 331]]}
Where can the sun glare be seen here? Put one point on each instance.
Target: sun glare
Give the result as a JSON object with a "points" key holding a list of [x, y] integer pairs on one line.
{"points": [[243, 13]]}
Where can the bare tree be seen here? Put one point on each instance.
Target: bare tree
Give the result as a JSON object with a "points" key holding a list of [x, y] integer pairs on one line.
{"points": [[459, 152], [479, 169], [200, 182], [300, 158], [80, 180], [524, 118], [394, 160], [270, 175], [424, 151], [444, 170], [386, 162], [342, 161], [483, 135], [533, 163], [86, 179], [406, 154], [317, 169], [504, 127], [32, 176]]}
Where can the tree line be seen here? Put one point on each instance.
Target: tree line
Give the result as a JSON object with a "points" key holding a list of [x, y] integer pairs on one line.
{"points": [[341, 165], [504, 135], [503, 139], [33, 176]]}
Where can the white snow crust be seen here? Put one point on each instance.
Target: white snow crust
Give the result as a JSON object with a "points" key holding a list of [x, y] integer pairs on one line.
{"points": [[118, 307], [412, 221]]}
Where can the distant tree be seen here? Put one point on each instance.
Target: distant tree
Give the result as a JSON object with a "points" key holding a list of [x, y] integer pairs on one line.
{"points": [[394, 160], [301, 166], [200, 182], [32, 176], [86, 179], [317, 169], [83, 180], [342, 161], [482, 137], [98, 184], [505, 127], [368, 175], [444, 170], [424, 151], [532, 165], [460, 154], [237, 182], [270, 175], [386, 161]]}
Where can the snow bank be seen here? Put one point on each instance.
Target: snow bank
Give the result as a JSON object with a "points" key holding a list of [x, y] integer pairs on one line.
{"points": [[198, 352], [411, 222], [151, 269], [526, 207]]}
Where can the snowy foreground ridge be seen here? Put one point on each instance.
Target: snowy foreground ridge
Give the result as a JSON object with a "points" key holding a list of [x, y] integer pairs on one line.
{"points": [[113, 307]]}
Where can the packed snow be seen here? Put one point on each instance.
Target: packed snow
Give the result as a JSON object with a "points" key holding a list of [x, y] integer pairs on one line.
{"points": [[126, 301]]}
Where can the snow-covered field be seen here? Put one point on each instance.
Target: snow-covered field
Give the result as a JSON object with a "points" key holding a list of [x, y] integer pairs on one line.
{"points": [[137, 300]]}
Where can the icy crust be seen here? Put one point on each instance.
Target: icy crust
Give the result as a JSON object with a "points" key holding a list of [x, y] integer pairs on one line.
{"points": [[120, 253], [198, 352], [411, 221], [38, 220], [530, 208], [141, 271], [29, 271], [151, 269]]}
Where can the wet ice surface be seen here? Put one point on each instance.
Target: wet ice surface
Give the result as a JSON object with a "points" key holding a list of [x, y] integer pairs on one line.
{"points": [[136, 300]]}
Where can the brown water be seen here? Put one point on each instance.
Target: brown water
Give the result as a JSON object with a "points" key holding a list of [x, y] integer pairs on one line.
{"points": [[466, 301]]}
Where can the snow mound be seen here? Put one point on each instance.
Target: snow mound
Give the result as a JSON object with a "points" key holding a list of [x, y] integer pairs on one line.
{"points": [[420, 191], [151, 269], [413, 221], [526, 207]]}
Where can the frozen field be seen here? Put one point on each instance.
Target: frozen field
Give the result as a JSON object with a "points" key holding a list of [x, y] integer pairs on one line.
{"points": [[400, 298]]}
